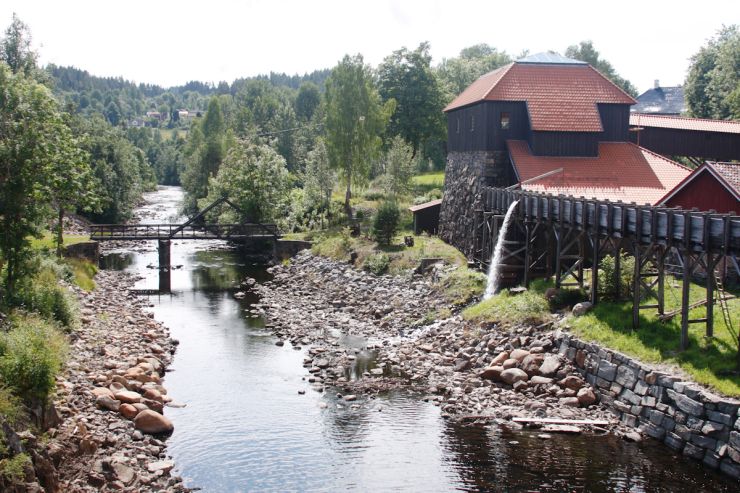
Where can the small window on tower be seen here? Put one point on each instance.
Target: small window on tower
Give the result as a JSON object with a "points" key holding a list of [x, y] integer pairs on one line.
{"points": [[472, 123], [505, 120], [458, 125]]}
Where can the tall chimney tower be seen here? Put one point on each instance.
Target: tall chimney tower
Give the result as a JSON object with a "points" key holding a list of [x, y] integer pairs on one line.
{"points": [[657, 83]]}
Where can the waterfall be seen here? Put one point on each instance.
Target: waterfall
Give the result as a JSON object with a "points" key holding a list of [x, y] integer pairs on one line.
{"points": [[498, 250]]}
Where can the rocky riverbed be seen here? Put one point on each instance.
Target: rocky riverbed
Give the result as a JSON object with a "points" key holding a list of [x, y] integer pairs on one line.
{"points": [[473, 372], [105, 436]]}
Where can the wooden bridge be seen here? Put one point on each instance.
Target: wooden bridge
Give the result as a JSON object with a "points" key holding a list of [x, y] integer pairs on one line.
{"points": [[565, 237], [232, 232]]}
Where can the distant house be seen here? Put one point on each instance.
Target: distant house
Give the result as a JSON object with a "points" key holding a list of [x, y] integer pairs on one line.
{"points": [[661, 101], [155, 115], [711, 186], [546, 123], [136, 123]]}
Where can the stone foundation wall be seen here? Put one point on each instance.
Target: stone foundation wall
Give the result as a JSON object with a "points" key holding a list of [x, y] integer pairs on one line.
{"points": [[87, 250], [466, 173], [684, 416]]}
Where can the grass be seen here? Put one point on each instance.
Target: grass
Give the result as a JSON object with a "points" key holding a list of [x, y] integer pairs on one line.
{"points": [[47, 241], [707, 360], [83, 273], [428, 181], [528, 307]]}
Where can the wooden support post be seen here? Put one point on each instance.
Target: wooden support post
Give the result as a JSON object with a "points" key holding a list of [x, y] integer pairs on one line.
{"points": [[685, 289], [595, 267], [527, 252], [581, 256], [710, 294], [636, 287], [558, 247], [618, 270], [661, 279]]}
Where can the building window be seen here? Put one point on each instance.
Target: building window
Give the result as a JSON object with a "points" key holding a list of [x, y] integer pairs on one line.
{"points": [[505, 120], [458, 125], [472, 123]]}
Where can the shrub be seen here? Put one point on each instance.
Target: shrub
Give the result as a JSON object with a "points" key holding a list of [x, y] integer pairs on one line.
{"points": [[607, 268], [461, 285], [84, 272], [336, 247], [567, 298], [386, 222], [14, 468], [48, 299], [377, 264], [31, 355]]}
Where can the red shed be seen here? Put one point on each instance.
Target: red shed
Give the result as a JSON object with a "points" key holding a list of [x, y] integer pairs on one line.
{"points": [[711, 186]]}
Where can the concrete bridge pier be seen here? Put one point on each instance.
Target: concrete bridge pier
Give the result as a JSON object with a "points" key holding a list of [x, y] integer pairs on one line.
{"points": [[164, 254]]}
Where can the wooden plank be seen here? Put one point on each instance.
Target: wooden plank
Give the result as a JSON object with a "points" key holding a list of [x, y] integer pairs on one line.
{"points": [[559, 421]]}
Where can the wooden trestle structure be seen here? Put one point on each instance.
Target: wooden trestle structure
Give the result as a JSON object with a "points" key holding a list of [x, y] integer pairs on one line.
{"points": [[566, 236]]}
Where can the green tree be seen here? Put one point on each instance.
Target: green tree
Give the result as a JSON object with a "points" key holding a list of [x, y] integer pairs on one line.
{"points": [[307, 100], [586, 52], [254, 177], [456, 74], [406, 76], [33, 140], [399, 167], [15, 48], [319, 178], [713, 83], [355, 122], [208, 144], [386, 220]]}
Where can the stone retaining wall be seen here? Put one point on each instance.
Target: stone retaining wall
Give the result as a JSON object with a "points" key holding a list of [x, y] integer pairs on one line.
{"points": [[683, 415], [466, 173]]}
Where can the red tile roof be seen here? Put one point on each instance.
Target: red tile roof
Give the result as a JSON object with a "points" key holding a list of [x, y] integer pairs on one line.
{"points": [[622, 171], [728, 174], [683, 123], [559, 97]]}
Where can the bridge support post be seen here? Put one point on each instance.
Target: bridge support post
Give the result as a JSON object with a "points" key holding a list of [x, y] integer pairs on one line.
{"points": [[164, 254]]}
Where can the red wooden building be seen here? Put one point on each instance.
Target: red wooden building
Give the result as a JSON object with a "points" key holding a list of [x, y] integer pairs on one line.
{"points": [[711, 186]]}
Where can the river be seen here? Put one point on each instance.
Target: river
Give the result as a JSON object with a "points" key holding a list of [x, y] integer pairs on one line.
{"points": [[246, 427]]}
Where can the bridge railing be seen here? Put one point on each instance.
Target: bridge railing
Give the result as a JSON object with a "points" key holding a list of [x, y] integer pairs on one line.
{"points": [[176, 231], [690, 229]]}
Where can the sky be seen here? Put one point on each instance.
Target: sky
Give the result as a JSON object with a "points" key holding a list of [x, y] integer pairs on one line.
{"points": [[171, 42]]}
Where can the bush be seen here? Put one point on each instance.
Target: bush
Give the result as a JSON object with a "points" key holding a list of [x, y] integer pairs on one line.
{"points": [[31, 355], [14, 468], [607, 268], [386, 222], [461, 285], [45, 297], [567, 298], [377, 264], [337, 247]]}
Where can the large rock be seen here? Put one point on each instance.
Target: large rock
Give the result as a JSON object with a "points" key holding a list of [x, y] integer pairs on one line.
{"points": [[106, 402], [513, 375], [586, 397], [550, 365], [500, 358], [128, 411], [582, 308], [531, 364], [128, 396], [152, 422], [492, 373], [572, 382], [519, 354]]}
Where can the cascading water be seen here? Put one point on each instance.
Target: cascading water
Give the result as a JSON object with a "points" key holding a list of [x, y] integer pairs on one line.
{"points": [[494, 268]]}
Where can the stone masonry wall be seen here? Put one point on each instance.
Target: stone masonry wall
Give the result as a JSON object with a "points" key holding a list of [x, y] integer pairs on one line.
{"points": [[466, 173], [684, 416]]}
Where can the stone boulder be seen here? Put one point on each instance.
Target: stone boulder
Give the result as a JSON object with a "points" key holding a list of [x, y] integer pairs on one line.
{"points": [[586, 397], [513, 375], [531, 364], [519, 354], [152, 422], [128, 411], [582, 308], [510, 363], [492, 373], [128, 396], [107, 402], [550, 365], [500, 358], [572, 382]]}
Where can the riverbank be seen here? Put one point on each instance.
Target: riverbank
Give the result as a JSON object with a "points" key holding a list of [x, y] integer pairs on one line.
{"points": [[94, 446], [470, 372], [512, 375]]}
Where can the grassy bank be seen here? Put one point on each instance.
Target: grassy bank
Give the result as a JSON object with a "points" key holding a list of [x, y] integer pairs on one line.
{"points": [[709, 361]]}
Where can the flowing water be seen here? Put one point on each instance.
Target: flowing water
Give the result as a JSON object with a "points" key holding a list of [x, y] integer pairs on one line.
{"points": [[494, 270], [245, 427]]}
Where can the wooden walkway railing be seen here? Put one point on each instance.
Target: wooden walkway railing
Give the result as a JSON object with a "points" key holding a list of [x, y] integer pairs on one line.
{"points": [[108, 232], [564, 236]]}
